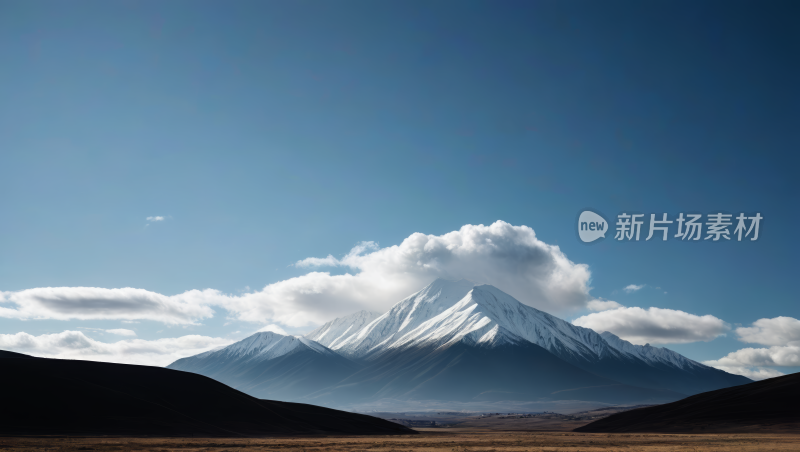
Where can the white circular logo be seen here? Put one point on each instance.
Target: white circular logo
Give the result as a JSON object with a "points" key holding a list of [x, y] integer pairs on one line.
{"points": [[591, 226]]}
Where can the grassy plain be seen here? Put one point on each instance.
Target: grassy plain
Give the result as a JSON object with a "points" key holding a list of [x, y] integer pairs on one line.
{"points": [[430, 440]]}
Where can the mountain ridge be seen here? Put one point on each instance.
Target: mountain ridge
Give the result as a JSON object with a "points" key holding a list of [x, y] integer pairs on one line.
{"points": [[485, 313], [448, 325]]}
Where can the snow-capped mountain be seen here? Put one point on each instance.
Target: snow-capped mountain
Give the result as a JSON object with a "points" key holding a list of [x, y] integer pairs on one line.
{"points": [[449, 312], [456, 341], [266, 345], [402, 318], [272, 365], [484, 316]]}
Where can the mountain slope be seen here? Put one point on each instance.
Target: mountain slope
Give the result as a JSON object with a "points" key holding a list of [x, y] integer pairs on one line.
{"points": [[648, 354], [271, 365], [446, 311], [339, 330], [466, 371], [764, 406], [403, 317], [658, 367], [71, 397], [456, 340]]}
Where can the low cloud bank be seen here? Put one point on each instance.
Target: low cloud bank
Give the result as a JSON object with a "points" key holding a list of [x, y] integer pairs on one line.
{"points": [[782, 334], [509, 257], [94, 303], [76, 345], [654, 325]]}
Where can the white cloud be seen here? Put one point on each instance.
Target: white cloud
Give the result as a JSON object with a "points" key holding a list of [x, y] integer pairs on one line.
{"points": [[654, 325], [602, 305], [151, 219], [121, 332], [782, 356], [782, 333], [755, 363], [76, 345], [633, 288], [777, 331], [329, 261], [93, 303], [273, 328], [755, 373], [509, 257]]}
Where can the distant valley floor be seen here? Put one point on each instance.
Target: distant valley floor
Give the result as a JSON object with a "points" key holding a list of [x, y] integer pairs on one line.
{"points": [[500, 421], [440, 440]]}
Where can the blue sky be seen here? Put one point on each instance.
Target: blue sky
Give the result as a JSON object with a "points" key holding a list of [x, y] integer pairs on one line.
{"points": [[269, 132]]}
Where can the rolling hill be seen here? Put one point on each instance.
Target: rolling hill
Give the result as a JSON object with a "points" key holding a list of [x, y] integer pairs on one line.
{"points": [[70, 397], [771, 405]]}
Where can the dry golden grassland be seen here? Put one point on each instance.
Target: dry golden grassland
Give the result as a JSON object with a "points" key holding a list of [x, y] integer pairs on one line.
{"points": [[439, 441]]}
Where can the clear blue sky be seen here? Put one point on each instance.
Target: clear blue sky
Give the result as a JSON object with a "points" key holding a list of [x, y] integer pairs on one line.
{"points": [[266, 132]]}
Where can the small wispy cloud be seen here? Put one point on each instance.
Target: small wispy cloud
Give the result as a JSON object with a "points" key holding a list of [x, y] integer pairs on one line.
{"points": [[118, 331], [121, 332], [152, 219], [633, 288]]}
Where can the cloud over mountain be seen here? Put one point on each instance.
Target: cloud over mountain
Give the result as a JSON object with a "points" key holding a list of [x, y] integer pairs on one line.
{"points": [[509, 257]]}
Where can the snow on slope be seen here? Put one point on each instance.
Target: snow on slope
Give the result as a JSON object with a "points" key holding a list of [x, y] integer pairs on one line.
{"points": [[338, 330], [267, 345], [446, 312], [449, 311], [402, 318], [489, 316], [649, 354]]}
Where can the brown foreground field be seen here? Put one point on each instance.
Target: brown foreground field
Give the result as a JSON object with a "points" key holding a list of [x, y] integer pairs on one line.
{"points": [[452, 440]]}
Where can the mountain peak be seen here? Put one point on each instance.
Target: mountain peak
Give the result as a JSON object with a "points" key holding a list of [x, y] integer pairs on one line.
{"points": [[266, 345], [403, 317]]}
